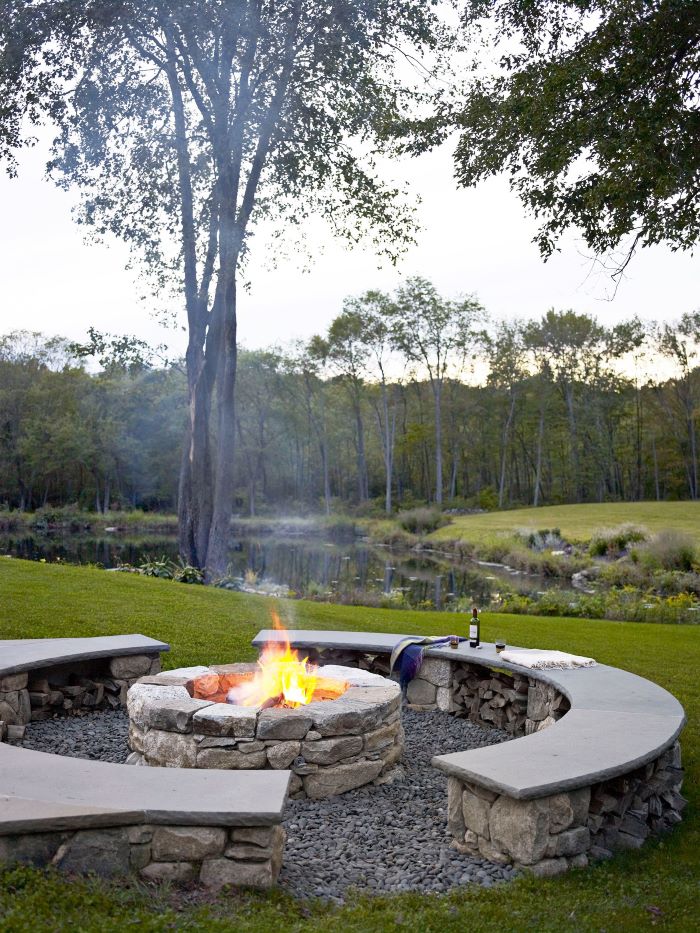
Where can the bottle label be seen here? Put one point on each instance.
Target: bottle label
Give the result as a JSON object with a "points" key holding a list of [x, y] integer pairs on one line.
{"points": [[473, 632]]}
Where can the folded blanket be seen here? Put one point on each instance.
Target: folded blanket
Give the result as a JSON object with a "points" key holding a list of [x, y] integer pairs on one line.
{"points": [[408, 655], [541, 660]]}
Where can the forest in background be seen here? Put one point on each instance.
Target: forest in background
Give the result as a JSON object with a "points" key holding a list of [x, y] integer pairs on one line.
{"points": [[511, 414]]}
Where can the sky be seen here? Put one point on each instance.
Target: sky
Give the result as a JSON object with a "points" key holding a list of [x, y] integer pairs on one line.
{"points": [[472, 241]]}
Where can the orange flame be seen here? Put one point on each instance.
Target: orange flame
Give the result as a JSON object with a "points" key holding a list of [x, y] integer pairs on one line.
{"points": [[282, 676]]}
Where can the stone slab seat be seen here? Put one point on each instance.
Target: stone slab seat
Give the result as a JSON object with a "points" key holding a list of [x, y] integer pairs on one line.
{"points": [[618, 721], [40, 793], [28, 654]]}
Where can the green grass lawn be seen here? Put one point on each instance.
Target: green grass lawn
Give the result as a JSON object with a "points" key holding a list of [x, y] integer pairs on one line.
{"points": [[657, 887], [577, 522]]}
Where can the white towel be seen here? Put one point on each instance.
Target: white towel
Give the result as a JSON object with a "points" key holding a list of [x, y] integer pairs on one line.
{"points": [[541, 660]]}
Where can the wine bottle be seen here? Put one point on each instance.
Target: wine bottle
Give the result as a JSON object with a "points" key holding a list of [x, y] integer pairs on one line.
{"points": [[475, 629]]}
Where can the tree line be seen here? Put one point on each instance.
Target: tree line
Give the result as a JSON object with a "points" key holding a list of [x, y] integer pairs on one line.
{"points": [[407, 398], [183, 123]]}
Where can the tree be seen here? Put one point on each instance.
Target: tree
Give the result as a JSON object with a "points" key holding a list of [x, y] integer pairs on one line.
{"points": [[312, 390], [679, 342], [39, 433], [593, 114], [435, 334], [344, 350], [541, 385], [182, 122], [259, 392], [507, 355], [112, 438], [374, 308], [578, 352]]}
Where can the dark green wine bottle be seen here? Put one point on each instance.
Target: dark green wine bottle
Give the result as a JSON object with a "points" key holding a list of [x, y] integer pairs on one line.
{"points": [[475, 629]]}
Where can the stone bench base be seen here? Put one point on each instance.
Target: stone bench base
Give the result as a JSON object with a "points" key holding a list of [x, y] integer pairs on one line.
{"points": [[548, 835], [70, 688], [493, 698], [212, 855]]}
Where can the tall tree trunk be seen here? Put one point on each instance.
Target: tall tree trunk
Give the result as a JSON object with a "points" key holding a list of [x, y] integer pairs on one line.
{"points": [[262, 449], [693, 447], [538, 461], [298, 470], [222, 505], [656, 470], [573, 434], [453, 472], [388, 505], [389, 456], [387, 432], [437, 392], [638, 442], [362, 478], [195, 486], [504, 449], [195, 481], [326, 473]]}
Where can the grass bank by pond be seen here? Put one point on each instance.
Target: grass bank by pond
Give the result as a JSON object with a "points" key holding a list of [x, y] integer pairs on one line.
{"points": [[623, 561], [655, 887], [577, 523], [75, 520], [630, 561]]}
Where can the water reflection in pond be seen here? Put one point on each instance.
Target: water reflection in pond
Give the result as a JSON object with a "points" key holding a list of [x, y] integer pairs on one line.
{"points": [[357, 571]]}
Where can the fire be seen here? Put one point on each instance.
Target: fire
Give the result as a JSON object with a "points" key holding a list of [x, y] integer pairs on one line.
{"points": [[282, 678]]}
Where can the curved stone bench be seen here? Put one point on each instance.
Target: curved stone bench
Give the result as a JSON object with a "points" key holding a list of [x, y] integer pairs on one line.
{"points": [[218, 827], [40, 677], [25, 654], [597, 767]]}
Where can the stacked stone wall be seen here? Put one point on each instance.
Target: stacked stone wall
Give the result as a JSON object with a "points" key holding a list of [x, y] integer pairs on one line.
{"points": [[548, 835], [211, 855], [345, 745], [68, 689], [490, 696], [497, 698]]}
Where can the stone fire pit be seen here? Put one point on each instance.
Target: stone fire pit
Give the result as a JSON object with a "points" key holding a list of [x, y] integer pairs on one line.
{"points": [[348, 736]]}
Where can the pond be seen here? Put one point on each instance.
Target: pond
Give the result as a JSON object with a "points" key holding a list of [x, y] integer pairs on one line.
{"points": [[357, 571]]}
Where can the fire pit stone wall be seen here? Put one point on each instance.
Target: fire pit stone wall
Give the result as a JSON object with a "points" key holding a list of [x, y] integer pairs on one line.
{"points": [[330, 746]]}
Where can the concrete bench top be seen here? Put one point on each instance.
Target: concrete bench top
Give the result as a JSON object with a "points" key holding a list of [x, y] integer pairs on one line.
{"points": [[42, 793], [27, 654], [618, 721]]}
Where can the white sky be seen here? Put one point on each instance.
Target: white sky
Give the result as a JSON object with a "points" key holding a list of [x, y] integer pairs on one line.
{"points": [[472, 241]]}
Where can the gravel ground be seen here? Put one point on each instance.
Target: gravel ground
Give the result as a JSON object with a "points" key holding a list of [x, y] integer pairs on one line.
{"points": [[101, 736], [393, 837], [375, 839]]}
